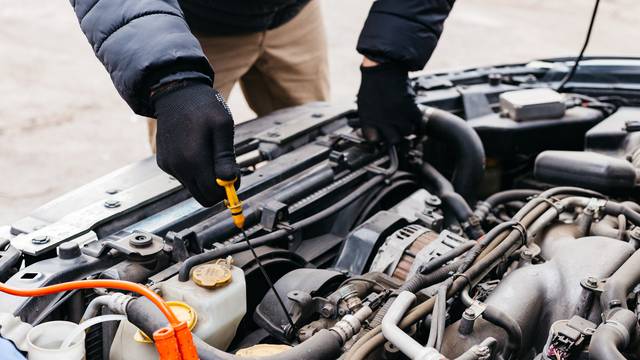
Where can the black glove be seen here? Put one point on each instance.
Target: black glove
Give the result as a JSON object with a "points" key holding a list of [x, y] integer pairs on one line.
{"points": [[195, 139], [385, 105]]}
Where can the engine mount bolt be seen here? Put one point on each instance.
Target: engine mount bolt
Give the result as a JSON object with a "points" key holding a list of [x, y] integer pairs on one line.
{"points": [[433, 200], [467, 322], [140, 241], [40, 239], [112, 204]]}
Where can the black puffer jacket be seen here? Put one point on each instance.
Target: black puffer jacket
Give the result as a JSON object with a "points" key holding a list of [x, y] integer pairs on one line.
{"points": [[146, 43]]}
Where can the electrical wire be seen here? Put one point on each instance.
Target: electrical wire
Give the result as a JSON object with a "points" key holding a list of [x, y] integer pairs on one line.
{"points": [[576, 63]]}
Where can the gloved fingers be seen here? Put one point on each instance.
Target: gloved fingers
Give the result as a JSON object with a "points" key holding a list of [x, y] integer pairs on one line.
{"points": [[224, 157], [202, 171], [206, 191]]}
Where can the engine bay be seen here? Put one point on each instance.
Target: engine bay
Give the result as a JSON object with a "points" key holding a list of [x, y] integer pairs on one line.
{"points": [[507, 228]]}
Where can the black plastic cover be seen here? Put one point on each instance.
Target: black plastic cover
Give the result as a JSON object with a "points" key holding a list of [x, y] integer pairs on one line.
{"points": [[586, 169], [504, 137]]}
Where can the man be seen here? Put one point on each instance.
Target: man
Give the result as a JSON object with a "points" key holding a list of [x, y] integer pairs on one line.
{"points": [[274, 47]]}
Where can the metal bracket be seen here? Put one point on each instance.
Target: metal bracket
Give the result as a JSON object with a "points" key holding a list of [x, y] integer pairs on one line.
{"points": [[593, 284], [475, 310], [137, 244], [273, 212], [82, 221]]}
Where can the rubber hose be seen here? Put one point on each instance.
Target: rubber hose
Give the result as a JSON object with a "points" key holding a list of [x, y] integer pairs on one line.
{"points": [[469, 151], [613, 336], [452, 200], [514, 334], [324, 345], [501, 319], [621, 283], [503, 197], [614, 208]]}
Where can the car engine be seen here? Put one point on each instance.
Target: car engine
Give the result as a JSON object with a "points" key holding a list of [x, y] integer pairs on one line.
{"points": [[508, 227]]}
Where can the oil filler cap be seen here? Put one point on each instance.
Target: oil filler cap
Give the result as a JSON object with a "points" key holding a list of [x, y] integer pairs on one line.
{"points": [[213, 275], [261, 350], [183, 312]]}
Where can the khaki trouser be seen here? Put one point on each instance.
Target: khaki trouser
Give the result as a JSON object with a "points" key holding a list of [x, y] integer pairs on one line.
{"points": [[278, 68]]}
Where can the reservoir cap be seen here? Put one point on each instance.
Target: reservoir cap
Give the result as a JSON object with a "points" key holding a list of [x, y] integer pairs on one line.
{"points": [[213, 275]]}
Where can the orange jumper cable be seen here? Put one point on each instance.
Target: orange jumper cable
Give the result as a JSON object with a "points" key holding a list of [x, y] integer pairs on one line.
{"points": [[174, 343]]}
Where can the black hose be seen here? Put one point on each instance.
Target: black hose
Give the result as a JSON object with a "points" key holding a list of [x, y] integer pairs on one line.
{"points": [[613, 336], [443, 259], [621, 283], [324, 345], [452, 200], [477, 249], [484, 207], [614, 208], [195, 260], [571, 190], [469, 169], [514, 334], [501, 319]]}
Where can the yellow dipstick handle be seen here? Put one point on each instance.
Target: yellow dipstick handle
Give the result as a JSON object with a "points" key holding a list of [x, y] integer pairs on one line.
{"points": [[233, 203]]}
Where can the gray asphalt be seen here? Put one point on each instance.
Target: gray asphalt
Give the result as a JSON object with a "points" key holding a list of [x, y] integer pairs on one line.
{"points": [[62, 124]]}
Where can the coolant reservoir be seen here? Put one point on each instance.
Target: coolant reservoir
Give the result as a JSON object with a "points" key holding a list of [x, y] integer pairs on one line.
{"points": [[45, 341], [219, 304]]}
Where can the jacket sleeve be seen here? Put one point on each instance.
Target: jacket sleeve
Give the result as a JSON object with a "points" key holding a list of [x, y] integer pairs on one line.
{"points": [[142, 44], [403, 32]]}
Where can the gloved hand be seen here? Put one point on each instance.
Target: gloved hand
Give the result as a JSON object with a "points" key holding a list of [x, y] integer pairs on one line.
{"points": [[195, 139], [385, 106]]}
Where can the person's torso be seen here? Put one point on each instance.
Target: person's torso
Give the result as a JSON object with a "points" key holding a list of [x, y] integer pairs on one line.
{"points": [[235, 17]]}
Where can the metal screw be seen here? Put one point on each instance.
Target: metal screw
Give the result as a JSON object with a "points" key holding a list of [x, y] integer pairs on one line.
{"points": [[111, 204], [112, 191], [317, 115], [592, 282], [273, 134], [40, 239]]}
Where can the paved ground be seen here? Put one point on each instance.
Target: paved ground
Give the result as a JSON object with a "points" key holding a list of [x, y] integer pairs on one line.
{"points": [[62, 123]]}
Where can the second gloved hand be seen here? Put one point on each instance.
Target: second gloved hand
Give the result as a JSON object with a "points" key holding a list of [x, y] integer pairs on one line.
{"points": [[195, 139], [385, 106]]}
